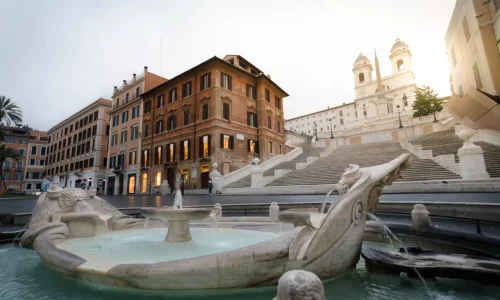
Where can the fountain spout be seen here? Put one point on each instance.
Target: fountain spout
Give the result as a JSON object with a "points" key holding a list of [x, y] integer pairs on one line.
{"points": [[178, 200]]}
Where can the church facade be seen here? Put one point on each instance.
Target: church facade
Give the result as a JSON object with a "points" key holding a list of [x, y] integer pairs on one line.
{"points": [[379, 103]]}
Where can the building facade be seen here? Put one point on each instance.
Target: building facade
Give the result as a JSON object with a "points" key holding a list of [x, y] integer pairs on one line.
{"points": [[77, 147], [13, 171], [35, 161], [473, 46], [378, 105], [222, 110], [122, 176]]}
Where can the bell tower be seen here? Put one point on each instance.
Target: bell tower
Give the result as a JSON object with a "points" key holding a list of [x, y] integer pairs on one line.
{"points": [[362, 71], [400, 57]]}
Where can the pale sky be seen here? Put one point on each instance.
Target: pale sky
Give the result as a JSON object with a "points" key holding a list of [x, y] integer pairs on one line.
{"points": [[56, 57]]}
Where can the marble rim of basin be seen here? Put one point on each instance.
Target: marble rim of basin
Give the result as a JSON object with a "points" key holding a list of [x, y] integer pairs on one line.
{"points": [[178, 220]]}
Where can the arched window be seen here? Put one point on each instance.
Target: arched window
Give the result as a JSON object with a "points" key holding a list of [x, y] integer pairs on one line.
{"points": [[401, 65], [361, 77]]}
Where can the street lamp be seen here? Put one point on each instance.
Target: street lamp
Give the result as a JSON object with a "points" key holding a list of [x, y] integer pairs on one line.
{"points": [[331, 128], [404, 101], [399, 114], [364, 110]]}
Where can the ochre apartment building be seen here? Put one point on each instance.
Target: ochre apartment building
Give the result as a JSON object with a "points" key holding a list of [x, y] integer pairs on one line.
{"points": [[222, 110]]}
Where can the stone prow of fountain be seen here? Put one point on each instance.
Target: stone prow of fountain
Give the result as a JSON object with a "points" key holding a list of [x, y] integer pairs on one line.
{"points": [[343, 224]]}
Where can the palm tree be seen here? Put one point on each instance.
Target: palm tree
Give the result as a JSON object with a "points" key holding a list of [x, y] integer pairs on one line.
{"points": [[5, 153], [10, 112]]}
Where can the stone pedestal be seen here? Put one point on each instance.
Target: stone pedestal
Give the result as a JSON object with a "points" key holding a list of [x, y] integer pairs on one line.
{"points": [[257, 175], [420, 217], [217, 179], [472, 165]]}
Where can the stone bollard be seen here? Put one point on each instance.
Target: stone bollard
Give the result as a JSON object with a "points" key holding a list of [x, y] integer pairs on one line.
{"points": [[217, 179], [274, 212], [300, 285], [218, 216], [420, 217]]}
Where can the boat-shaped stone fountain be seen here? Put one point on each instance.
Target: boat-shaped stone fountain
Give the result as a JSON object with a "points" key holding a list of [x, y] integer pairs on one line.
{"points": [[78, 234]]}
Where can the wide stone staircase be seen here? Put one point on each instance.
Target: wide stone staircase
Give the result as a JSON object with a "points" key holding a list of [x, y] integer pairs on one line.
{"points": [[491, 158], [442, 142], [307, 151], [327, 170]]}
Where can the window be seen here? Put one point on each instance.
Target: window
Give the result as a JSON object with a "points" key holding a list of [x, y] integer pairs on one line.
{"points": [[131, 158], [340, 114], [19, 166], [361, 77], [253, 146], [278, 125], [269, 122], [158, 154], [401, 65], [453, 56], [158, 178], [159, 126], [147, 107], [341, 121], [186, 117], [268, 96], [186, 89], [204, 112], [7, 165], [134, 132], [252, 119], [114, 140], [21, 151], [171, 152], [146, 130], [90, 120], [42, 162], [135, 112], [125, 116], [33, 150], [96, 115], [70, 129], [477, 76], [117, 103], [124, 137], [460, 90], [465, 26], [10, 140], [145, 157], [28, 186], [94, 131], [280, 149], [126, 98], [356, 113], [32, 162], [18, 177], [185, 149], [172, 95], [137, 92], [204, 81], [226, 141], [277, 102], [116, 120], [76, 125], [160, 102], [204, 146], [270, 147], [251, 93], [226, 81], [225, 111], [6, 176], [171, 122]]}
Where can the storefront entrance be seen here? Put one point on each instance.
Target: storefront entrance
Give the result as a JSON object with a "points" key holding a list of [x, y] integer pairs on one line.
{"points": [[171, 177], [205, 175], [111, 185], [131, 183]]}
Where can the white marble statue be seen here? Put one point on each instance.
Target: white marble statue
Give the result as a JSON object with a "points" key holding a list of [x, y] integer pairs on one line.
{"points": [[178, 200]]}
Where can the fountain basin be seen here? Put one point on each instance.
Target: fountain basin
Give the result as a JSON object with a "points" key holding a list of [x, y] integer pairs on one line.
{"points": [[178, 220]]}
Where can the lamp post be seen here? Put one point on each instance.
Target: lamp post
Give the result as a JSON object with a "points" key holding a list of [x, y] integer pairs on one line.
{"points": [[331, 128], [399, 114], [364, 110], [404, 101]]}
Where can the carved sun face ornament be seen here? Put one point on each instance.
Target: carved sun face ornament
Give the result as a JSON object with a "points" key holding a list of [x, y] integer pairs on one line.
{"points": [[73, 199]]}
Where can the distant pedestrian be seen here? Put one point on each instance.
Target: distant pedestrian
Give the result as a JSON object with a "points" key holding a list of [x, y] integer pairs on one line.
{"points": [[84, 184], [210, 186]]}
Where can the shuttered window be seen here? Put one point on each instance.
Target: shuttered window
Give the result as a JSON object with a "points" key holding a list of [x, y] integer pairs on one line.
{"points": [[204, 114], [226, 81], [204, 81], [204, 146], [225, 111], [226, 141]]}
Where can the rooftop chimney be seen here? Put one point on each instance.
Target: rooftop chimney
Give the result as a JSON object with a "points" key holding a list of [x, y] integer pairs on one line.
{"points": [[124, 82], [145, 68], [134, 76]]}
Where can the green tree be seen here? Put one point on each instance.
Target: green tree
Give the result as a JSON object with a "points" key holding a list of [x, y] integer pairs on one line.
{"points": [[10, 112], [6, 153], [426, 102]]}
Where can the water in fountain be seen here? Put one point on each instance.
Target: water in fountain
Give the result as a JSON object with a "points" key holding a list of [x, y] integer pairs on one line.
{"points": [[323, 206], [146, 223], [84, 206], [19, 234], [178, 200], [390, 235]]}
